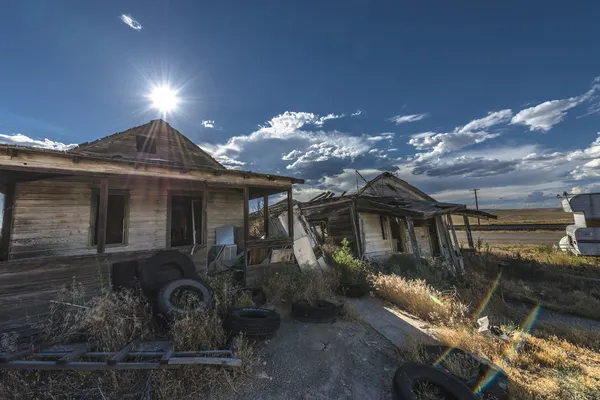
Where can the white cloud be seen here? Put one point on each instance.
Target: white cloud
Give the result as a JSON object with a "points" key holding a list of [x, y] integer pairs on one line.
{"points": [[321, 120], [402, 119], [22, 140], [131, 22], [436, 144], [493, 118], [208, 123], [356, 113], [549, 113], [441, 143], [591, 188]]}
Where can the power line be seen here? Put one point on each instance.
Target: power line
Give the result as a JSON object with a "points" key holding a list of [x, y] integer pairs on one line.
{"points": [[476, 204]]}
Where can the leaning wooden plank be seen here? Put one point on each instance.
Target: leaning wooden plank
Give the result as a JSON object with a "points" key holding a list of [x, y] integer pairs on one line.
{"points": [[230, 362], [80, 349], [123, 352]]}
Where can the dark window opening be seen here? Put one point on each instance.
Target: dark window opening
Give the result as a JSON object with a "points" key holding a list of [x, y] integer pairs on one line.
{"points": [[186, 220], [115, 219], [396, 234], [382, 221], [145, 144]]}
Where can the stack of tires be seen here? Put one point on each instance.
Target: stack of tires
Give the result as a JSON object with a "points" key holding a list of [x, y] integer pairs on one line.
{"points": [[169, 272]]}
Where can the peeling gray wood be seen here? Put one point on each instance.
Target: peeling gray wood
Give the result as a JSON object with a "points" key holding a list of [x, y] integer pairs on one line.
{"points": [[413, 238]]}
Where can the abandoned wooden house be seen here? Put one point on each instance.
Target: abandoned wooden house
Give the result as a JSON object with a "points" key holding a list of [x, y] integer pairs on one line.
{"points": [[386, 216], [79, 214]]}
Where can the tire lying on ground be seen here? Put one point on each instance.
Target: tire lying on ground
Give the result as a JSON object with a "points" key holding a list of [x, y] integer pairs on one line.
{"points": [[355, 289], [320, 311], [163, 267], [252, 322], [407, 377], [167, 299], [496, 388]]}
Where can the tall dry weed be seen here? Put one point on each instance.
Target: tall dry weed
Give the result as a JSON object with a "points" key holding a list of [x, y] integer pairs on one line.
{"points": [[420, 299]]}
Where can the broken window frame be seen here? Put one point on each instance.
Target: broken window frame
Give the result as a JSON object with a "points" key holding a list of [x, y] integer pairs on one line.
{"points": [[195, 197], [93, 235]]}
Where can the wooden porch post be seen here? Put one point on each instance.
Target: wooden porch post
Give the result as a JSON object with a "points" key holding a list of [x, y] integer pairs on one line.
{"points": [[413, 238], [9, 204], [468, 231], [246, 224], [204, 222], [266, 216], [290, 213], [102, 214], [460, 264]]}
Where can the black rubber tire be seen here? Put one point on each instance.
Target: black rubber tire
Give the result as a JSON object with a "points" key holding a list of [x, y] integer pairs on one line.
{"points": [[166, 308], [355, 290], [410, 373], [322, 311], [252, 322], [150, 278], [497, 388]]}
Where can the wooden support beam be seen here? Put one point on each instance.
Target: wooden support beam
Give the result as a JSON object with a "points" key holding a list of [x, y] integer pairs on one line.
{"points": [[9, 205], [413, 238], [266, 215], [468, 231], [204, 222], [461, 264], [246, 223], [102, 215], [355, 229], [290, 213]]}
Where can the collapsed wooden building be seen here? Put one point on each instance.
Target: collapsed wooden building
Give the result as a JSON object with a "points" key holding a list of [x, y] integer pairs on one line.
{"points": [[386, 216], [85, 214]]}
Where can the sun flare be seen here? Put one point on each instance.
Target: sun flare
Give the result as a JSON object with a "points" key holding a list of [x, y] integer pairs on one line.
{"points": [[164, 98]]}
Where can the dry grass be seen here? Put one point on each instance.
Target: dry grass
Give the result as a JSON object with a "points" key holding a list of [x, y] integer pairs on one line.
{"points": [[420, 299], [554, 361], [349, 313], [111, 320], [286, 287], [538, 368]]}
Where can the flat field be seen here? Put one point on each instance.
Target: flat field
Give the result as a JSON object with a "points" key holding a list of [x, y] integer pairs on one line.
{"points": [[525, 216]]}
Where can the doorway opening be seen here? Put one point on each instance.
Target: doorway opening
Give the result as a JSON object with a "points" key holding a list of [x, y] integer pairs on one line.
{"points": [[186, 220]]}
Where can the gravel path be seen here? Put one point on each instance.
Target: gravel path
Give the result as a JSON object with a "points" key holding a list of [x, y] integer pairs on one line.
{"points": [[343, 360]]}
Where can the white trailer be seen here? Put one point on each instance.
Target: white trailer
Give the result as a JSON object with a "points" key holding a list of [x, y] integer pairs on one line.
{"points": [[583, 237]]}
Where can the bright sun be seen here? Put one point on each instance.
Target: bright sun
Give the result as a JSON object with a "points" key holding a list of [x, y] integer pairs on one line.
{"points": [[164, 98]]}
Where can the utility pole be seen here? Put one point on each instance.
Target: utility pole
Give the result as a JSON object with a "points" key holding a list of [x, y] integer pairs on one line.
{"points": [[476, 203]]}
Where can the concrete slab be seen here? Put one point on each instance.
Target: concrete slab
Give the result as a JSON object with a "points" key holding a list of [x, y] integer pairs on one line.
{"points": [[390, 323]]}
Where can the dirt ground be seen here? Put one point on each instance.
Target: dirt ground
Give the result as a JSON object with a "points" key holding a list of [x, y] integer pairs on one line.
{"points": [[342, 360]]}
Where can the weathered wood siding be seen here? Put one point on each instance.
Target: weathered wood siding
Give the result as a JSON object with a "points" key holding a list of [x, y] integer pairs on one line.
{"points": [[53, 217], [423, 238], [225, 207], [374, 243]]}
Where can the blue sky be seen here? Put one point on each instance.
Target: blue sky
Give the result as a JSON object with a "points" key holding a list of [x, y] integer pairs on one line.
{"points": [[449, 96]]}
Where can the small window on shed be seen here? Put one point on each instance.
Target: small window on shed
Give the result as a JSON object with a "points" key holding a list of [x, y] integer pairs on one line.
{"points": [[382, 221], [145, 144]]}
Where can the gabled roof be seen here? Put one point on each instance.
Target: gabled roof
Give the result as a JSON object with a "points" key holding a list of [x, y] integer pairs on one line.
{"points": [[389, 185], [154, 141]]}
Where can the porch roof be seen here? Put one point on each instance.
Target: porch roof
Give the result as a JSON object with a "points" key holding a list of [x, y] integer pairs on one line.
{"points": [[57, 162], [420, 209]]}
